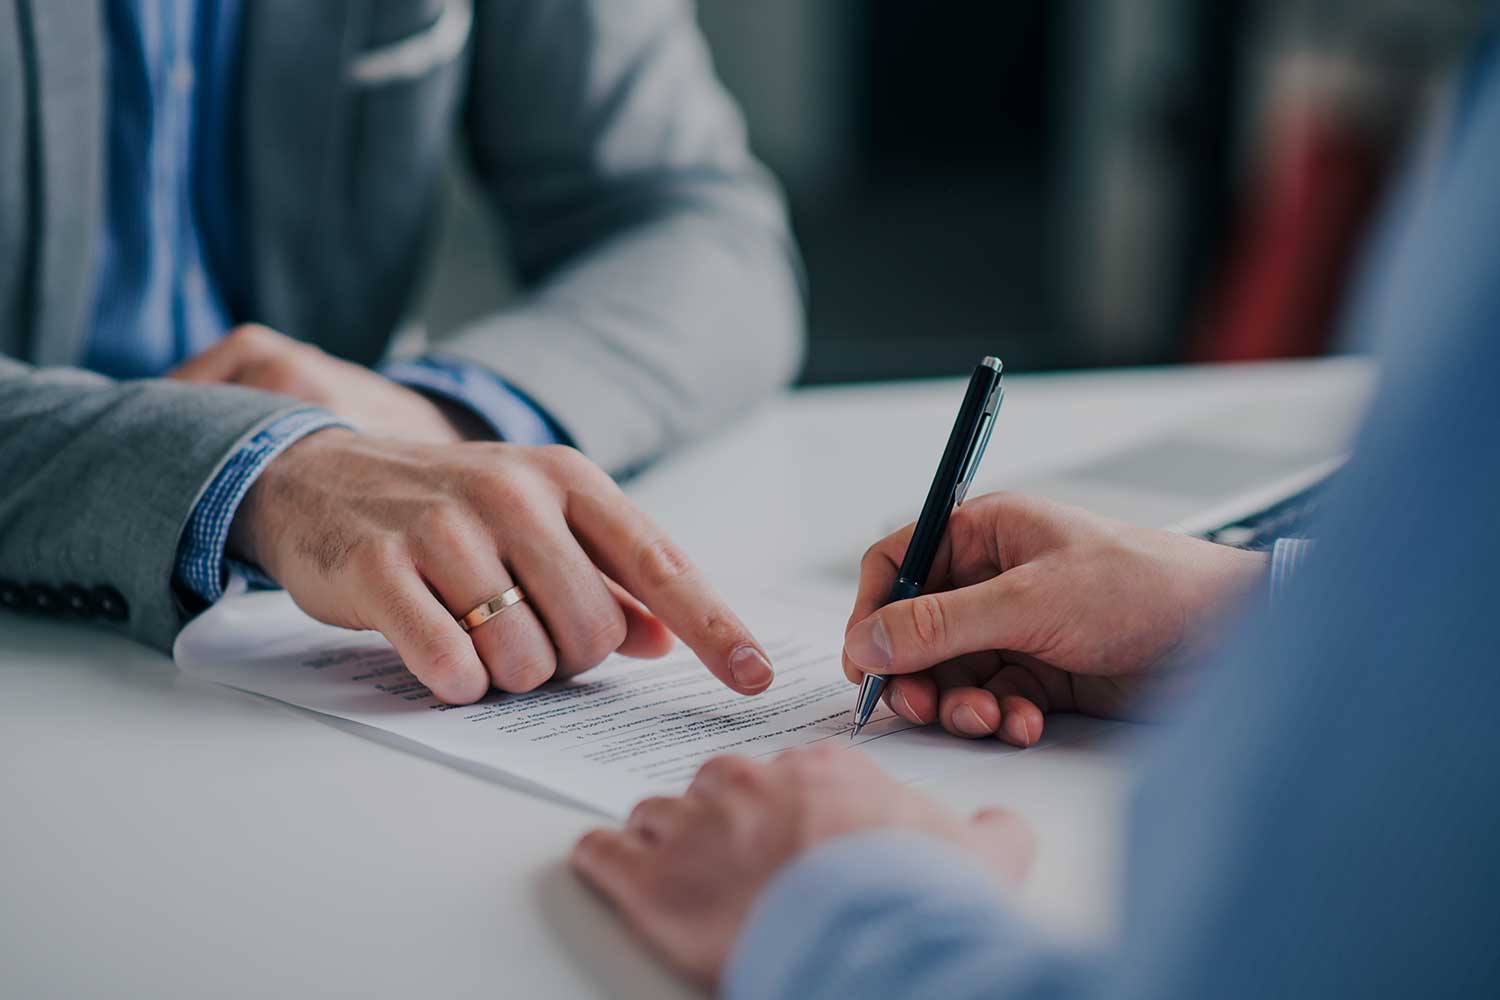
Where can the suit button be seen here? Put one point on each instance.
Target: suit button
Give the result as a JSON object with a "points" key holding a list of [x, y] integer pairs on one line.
{"points": [[43, 600], [75, 601], [108, 604], [12, 597]]}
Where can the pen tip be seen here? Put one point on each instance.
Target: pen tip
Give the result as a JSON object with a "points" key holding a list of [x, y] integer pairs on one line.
{"points": [[854, 732]]}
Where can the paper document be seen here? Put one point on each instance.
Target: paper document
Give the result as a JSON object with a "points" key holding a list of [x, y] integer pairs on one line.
{"points": [[606, 739]]}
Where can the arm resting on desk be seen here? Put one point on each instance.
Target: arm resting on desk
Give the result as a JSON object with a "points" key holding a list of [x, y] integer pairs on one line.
{"points": [[894, 914], [100, 478]]}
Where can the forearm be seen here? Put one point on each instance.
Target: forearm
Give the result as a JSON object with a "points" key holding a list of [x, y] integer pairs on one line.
{"points": [[100, 478], [895, 915]]}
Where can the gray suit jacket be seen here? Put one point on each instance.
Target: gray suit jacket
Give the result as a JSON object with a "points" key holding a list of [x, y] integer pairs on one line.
{"points": [[661, 285]]}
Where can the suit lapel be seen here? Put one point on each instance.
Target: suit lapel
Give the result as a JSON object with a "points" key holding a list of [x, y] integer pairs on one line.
{"points": [[295, 146], [67, 64]]}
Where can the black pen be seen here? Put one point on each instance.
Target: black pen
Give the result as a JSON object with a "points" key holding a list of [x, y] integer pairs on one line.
{"points": [[966, 444]]}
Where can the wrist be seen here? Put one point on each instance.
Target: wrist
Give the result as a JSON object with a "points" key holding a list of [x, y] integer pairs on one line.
{"points": [[1248, 572], [255, 528], [1224, 579], [461, 422]]}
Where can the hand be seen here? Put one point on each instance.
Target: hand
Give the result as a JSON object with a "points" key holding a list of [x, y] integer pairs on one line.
{"points": [[1033, 608], [375, 534], [260, 358], [685, 870]]}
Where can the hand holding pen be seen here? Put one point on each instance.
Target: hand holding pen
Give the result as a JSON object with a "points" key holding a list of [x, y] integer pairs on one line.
{"points": [[966, 445]]}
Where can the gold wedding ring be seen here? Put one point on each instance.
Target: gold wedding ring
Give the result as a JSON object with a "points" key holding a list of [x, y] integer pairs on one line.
{"points": [[491, 608]]}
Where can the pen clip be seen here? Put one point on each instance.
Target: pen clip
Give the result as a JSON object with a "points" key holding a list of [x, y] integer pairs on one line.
{"points": [[980, 442]]}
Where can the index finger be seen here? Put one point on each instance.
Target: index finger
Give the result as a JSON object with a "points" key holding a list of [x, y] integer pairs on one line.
{"points": [[630, 548]]}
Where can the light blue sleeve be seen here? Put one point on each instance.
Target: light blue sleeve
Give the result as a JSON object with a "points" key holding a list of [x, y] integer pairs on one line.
{"points": [[888, 914], [1287, 555], [508, 414], [201, 565]]}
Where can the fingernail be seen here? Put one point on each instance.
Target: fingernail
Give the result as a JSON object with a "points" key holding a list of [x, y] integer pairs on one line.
{"points": [[750, 668], [1015, 727], [868, 645], [906, 709], [968, 722]]}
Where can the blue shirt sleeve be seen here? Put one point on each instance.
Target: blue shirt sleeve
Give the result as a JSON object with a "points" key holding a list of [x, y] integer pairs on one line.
{"points": [[1286, 555], [508, 414], [201, 565], [893, 914]]}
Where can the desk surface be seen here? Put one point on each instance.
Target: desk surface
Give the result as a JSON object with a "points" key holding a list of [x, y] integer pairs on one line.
{"points": [[163, 837]]}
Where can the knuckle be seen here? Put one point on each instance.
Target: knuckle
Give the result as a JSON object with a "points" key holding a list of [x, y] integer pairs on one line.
{"points": [[745, 776], [520, 674], [507, 487], [446, 657], [929, 625], [599, 639], [379, 559], [639, 811], [447, 669], [565, 463], [248, 333], [719, 630], [443, 525], [591, 844], [656, 806], [661, 563], [732, 771]]}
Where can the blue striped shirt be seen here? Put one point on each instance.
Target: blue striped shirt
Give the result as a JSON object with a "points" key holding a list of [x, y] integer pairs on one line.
{"points": [[171, 281]]}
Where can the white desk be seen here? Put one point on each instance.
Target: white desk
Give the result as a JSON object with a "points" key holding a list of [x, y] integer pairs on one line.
{"points": [[163, 837]]}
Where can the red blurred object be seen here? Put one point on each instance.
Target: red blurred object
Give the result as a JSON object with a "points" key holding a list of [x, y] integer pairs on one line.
{"points": [[1287, 269]]}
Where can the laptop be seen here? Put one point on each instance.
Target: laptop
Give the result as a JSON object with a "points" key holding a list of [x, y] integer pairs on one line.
{"points": [[1232, 477]]}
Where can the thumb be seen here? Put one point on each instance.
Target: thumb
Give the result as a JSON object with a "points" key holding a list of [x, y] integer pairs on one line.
{"points": [[1006, 841], [908, 636]]}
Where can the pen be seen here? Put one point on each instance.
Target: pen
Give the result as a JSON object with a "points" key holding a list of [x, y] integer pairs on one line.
{"points": [[966, 444]]}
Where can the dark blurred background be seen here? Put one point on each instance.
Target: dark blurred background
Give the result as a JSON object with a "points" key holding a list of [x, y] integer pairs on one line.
{"points": [[1071, 183]]}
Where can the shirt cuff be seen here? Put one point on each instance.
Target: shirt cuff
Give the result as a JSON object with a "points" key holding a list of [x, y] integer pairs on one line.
{"points": [[502, 408], [1286, 556], [201, 565], [886, 913]]}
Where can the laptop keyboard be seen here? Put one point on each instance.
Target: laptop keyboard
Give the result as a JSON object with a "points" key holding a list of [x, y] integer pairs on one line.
{"points": [[1287, 518]]}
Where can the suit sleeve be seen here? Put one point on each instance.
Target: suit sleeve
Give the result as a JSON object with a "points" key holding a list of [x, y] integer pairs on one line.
{"points": [[663, 290], [98, 480]]}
